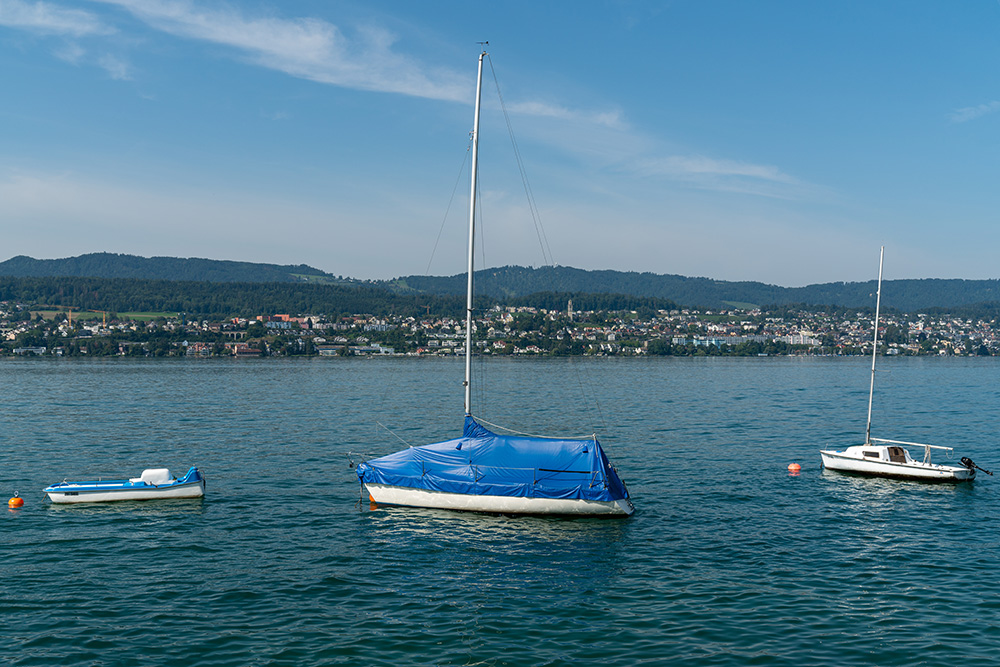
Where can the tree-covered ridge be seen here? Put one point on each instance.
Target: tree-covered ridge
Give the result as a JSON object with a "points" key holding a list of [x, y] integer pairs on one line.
{"points": [[117, 295], [908, 295], [511, 284], [112, 265], [219, 299]]}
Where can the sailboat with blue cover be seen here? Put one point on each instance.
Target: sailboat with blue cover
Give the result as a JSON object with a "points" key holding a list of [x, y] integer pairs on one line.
{"points": [[483, 471]]}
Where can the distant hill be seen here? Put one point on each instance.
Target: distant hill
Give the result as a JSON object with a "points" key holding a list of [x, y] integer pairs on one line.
{"points": [[217, 300], [112, 265], [514, 281]]}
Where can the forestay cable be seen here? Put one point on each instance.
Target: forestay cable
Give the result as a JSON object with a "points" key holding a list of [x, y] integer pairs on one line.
{"points": [[543, 242]]}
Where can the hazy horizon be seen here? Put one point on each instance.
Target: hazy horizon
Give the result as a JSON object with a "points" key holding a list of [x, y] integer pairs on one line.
{"points": [[774, 142]]}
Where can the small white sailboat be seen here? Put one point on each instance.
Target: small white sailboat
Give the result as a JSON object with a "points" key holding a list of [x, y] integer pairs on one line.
{"points": [[152, 484], [891, 458], [483, 471]]}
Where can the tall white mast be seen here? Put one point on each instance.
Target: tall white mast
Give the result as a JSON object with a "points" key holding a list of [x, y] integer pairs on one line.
{"points": [[871, 390], [472, 239]]}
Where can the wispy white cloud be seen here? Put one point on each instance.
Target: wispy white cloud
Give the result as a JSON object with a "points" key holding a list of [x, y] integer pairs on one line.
{"points": [[69, 26], [369, 58], [971, 113], [698, 166], [48, 18], [308, 48], [610, 119], [116, 67], [718, 175], [71, 52], [609, 144], [320, 51], [366, 58]]}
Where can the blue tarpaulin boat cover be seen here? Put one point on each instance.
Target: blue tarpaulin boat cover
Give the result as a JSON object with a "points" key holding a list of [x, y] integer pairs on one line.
{"points": [[484, 463]]}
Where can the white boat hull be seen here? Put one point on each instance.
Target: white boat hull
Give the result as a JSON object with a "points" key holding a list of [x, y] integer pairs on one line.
{"points": [[852, 462], [70, 495], [154, 483], [382, 494], [91, 493]]}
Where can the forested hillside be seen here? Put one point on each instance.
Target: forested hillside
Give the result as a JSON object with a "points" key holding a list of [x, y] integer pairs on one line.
{"points": [[111, 265], [515, 281], [248, 299], [220, 299], [508, 284]]}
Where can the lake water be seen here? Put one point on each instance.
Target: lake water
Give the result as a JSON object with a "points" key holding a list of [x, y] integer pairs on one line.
{"points": [[729, 559]]}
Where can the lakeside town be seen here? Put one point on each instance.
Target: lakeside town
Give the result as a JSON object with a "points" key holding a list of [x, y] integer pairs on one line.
{"points": [[523, 331]]}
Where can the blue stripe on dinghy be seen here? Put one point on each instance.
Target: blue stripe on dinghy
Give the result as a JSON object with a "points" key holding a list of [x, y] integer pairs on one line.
{"points": [[128, 486], [192, 476]]}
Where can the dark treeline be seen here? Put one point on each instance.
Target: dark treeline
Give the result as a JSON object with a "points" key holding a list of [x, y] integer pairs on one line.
{"points": [[254, 298], [248, 299], [516, 282], [908, 295], [511, 282], [220, 299]]}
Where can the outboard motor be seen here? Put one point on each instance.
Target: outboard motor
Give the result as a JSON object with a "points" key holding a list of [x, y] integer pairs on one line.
{"points": [[971, 465]]}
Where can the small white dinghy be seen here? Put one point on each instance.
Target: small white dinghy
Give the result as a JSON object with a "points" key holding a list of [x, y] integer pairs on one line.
{"points": [[890, 458], [153, 483]]}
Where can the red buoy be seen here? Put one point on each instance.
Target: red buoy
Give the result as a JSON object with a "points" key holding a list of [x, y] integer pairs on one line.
{"points": [[15, 502]]}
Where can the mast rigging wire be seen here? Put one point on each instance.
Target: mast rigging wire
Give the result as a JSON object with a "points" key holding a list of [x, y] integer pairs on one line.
{"points": [[447, 210], [543, 241]]}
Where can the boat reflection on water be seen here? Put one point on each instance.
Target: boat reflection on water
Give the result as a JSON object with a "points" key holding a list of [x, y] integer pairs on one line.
{"points": [[162, 507], [516, 542], [884, 496]]}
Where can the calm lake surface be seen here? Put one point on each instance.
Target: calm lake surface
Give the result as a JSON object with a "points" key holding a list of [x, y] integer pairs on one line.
{"points": [[729, 560]]}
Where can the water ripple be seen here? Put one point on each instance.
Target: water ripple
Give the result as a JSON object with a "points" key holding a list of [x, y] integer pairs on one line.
{"points": [[728, 561]]}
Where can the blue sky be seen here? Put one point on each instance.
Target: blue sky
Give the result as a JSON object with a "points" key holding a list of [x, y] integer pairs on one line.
{"points": [[773, 141]]}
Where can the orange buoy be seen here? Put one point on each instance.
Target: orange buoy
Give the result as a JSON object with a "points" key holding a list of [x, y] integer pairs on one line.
{"points": [[16, 501], [794, 467]]}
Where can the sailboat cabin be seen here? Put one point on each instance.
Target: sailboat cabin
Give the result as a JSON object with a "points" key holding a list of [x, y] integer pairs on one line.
{"points": [[891, 454]]}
